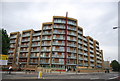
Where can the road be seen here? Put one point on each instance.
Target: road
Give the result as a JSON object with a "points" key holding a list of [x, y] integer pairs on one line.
{"points": [[68, 75]]}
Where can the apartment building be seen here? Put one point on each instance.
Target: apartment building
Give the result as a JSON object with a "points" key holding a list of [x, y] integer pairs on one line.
{"points": [[59, 44]]}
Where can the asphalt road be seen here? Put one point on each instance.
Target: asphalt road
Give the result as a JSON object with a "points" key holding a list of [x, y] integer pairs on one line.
{"points": [[34, 75]]}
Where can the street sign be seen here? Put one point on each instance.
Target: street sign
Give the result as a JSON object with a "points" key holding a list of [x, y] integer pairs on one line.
{"points": [[3, 59]]}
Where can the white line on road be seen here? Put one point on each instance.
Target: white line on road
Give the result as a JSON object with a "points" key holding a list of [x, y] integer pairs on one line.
{"points": [[114, 77]]}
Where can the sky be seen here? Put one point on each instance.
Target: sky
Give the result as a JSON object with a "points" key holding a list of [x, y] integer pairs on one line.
{"points": [[96, 17]]}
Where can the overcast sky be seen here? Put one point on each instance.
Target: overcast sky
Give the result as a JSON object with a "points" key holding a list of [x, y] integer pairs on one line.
{"points": [[96, 18]]}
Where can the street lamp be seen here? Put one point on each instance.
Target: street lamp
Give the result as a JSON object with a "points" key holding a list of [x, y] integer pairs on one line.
{"points": [[115, 27]]}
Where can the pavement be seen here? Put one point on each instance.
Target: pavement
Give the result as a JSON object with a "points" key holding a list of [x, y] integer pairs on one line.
{"points": [[62, 75]]}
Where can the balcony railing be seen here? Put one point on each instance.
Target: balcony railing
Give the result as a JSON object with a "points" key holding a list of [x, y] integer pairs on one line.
{"points": [[85, 59], [74, 29], [34, 45], [62, 50], [61, 38], [73, 51], [45, 50], [85, 54], [46, 44], [36, 39], [80, 58], [12, 37], [57, 62], [35, 50], [72, 23], [80, 37], [10, 51], [36, 34], [47, 27], [12, 41], [25, 35], [46, 38], [85, 64], [80, 32], [72, 57], [47, 33], [59, 21], [91, 55], [59, 44], [58, 56], [59, 27], [57, 32], [92, 60], [73, 34], [72, 45]]}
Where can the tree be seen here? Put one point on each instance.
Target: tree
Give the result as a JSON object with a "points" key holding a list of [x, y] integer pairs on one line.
{"points": [[115, 65], [5, 41]]}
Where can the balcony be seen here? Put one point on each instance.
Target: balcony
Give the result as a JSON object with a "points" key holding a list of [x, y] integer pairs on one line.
{"points": [[57, 32], [47, 33], [80, 58], [12, 41], [80, 53], [85, 39], [80, 37], [33, 56], [59, 44], [72, 57], [35, 45], [91, 51], [85, 49], [86, 64], [92, 65], [36, 34], [58, 50], [85, 44], [47, 27], [91, 42], [58, 56], [72, 23], [26, 40], [91, 55], [26, 35], [35, 50], [85, 59], [79, 32], [80, 42], [59, 21], [12, 46], [44, 62], [85, 54], [21, 56], [46, 38], [13, 37], [72, 51], [72, 34], [60, 38], [71, 64], [23, 50], [99, 62], [45, 50], [80, 47], [10, 51], [24, 45], [60, 63], [36, 39], [72, 45], [59, 27], [91, 46], [46, 44], [74, 29], [33, 63], [92, 60], [45, 56]]}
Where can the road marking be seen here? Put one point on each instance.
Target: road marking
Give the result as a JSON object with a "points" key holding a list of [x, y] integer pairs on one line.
{"points": [[94, 78], [114, 77]]}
